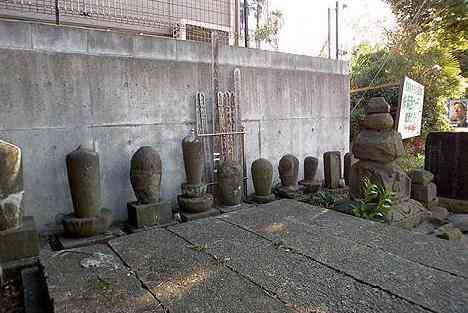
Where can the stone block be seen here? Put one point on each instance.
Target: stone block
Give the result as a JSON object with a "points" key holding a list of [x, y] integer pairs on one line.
{"points": [[408, 214], [146, 215], [332, 169], [75, 227], [390, 176], [195, 205], [19, 243], [424, 193], [375, 145], [421, 177], [460, 221], [438, 215], [377, 105], [454, 205], [349, 160], [378, 121], [449, 232]]}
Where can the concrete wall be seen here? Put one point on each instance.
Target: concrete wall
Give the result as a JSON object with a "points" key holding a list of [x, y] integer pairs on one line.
{"points": [[62, 87]]}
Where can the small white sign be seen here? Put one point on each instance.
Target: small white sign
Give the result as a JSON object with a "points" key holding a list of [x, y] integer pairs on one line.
{"points": [[411, 108]]}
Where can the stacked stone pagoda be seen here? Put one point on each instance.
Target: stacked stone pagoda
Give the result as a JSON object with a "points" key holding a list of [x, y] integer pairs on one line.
{"points": [[378, 146], [18, 234]]}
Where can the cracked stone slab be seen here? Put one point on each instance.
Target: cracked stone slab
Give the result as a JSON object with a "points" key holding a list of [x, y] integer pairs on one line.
{"points": [[185, 279], [305, 284], [429, 287], [93, 279]]}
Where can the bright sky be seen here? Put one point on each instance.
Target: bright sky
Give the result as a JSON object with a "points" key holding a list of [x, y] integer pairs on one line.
{"points": [[305, 29]]}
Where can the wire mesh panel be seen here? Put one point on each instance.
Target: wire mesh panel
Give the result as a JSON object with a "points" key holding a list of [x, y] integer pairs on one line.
{"points": [[184, 19]]}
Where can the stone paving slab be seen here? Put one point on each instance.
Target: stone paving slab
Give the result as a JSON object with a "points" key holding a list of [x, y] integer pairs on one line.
{"points": [[306, 285], [186, 279], [450, 256], [426, 286], [93, 279]]}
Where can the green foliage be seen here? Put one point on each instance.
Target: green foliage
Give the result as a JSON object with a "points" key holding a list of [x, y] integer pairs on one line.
{"points": [[325, 199], [376, 204], [430, 47], [410, 161], [269, 31]]}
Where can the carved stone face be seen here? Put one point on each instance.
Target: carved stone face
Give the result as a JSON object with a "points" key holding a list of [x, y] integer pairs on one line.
{"points": [[288, 170]]}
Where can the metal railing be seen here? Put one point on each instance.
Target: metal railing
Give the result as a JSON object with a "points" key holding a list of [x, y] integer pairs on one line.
{"points": [[185, 19]]}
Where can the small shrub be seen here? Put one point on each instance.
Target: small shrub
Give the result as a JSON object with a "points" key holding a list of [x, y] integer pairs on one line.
{"points": [[376, 204], [410, 161], [326, 199]]}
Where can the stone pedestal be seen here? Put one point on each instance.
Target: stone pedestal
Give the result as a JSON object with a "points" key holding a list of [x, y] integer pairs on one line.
{"points": [[195, 205], [19, 243], [332, 169], [186, 217], [76, 227], [147, 215]]}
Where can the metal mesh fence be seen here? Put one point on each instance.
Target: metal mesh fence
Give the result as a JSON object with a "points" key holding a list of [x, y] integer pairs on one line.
{"points": [[183, 19]]}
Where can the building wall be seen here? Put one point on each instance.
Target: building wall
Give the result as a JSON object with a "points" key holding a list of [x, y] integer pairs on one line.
{"points": [[63, 87]]}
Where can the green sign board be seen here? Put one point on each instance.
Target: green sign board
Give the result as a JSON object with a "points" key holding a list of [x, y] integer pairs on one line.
{"points": [[410, 109]]}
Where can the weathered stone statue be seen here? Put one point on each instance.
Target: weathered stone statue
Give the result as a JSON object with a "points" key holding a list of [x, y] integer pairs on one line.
{"points": [[85, 186], [332, 169], [349, 160], [18, 235], [262, 178], [377, 147], [310, 170], [85, 182], [289, 170], [230, 181], [145, 176], [194, 198], [11, 186]]}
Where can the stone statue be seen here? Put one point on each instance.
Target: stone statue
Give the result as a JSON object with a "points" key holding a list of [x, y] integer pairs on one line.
{"points": [[88, 219], [288, 170], [194, 198], [85, 182], [11, 186], [332, 169], [145, 175], [377, 147], [262, 177], [18, 234], [310, 170], [230, 181], [193, 158]]}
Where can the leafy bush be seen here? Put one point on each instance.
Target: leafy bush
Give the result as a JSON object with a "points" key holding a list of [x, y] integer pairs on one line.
{"points": [[376, 204], [410, 161]]}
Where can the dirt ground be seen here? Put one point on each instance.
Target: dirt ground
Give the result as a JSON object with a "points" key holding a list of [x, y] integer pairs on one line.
{"points": [[11, 294]]}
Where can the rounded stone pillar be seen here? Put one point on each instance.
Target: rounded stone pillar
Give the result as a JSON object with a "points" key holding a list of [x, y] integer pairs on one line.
{"points": [[262, 178], [288, 170], [193, 158], [230, 183], [11, 186], [145, 175], [310, 170], [85, 182]]}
